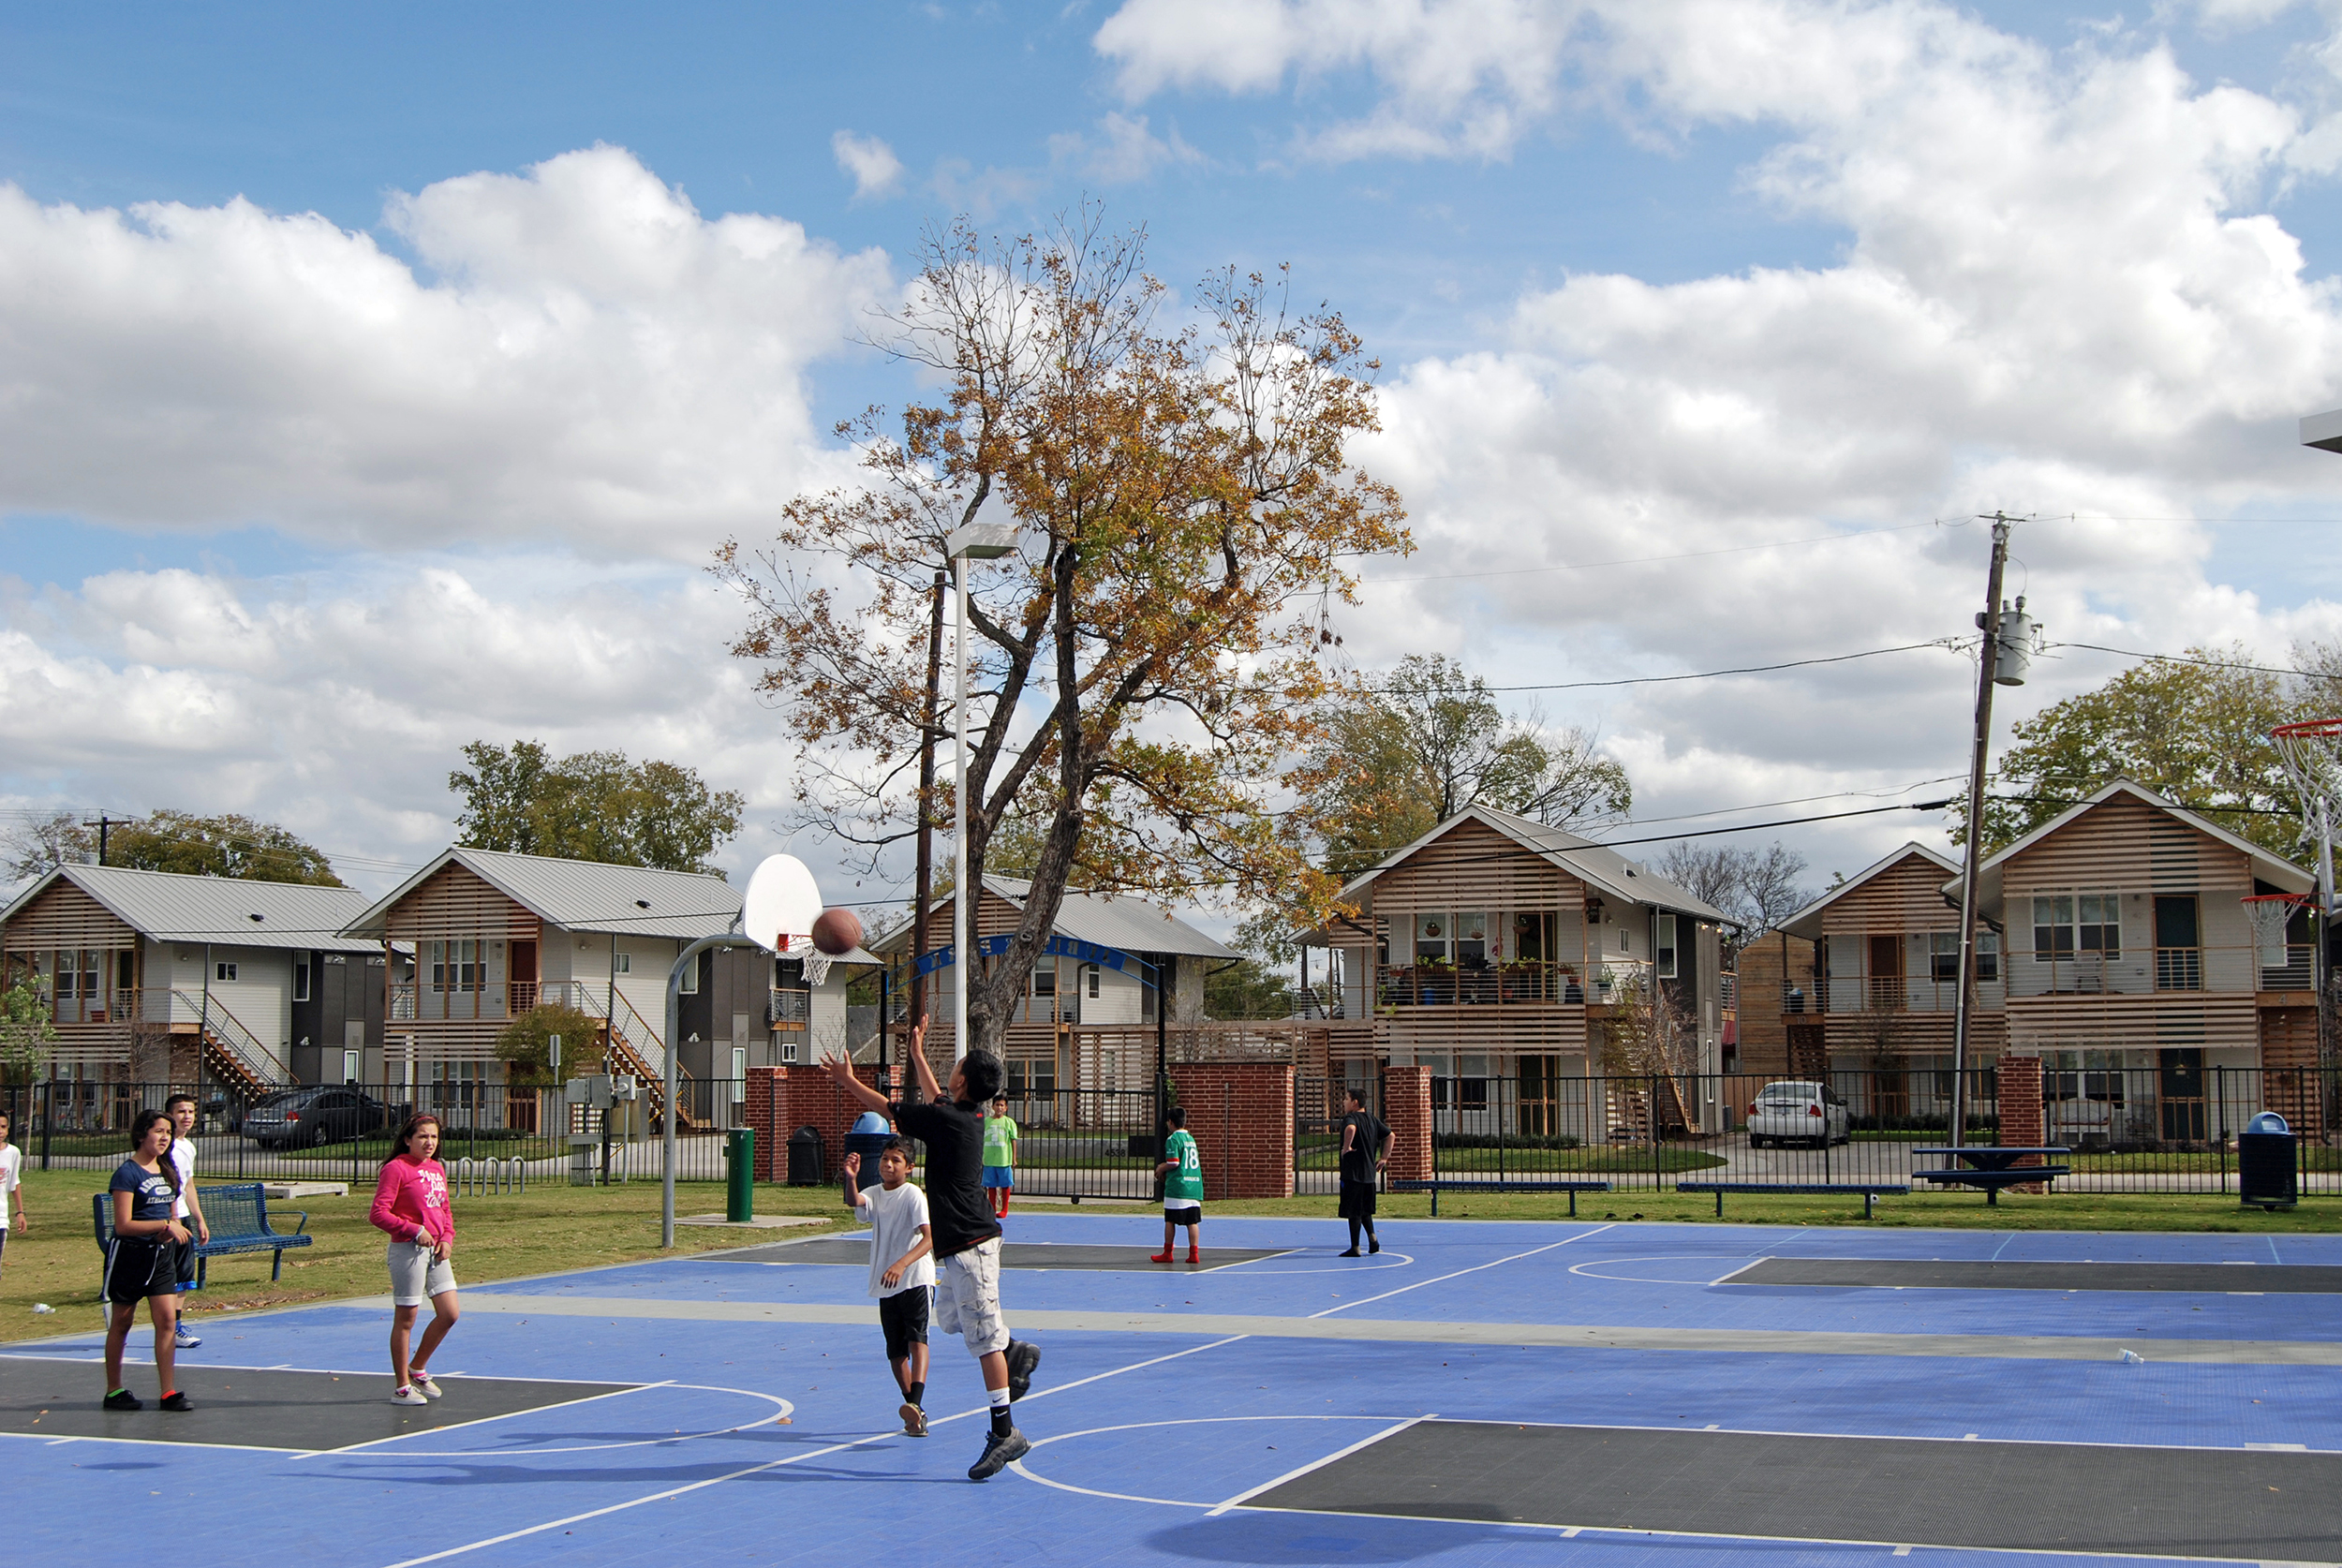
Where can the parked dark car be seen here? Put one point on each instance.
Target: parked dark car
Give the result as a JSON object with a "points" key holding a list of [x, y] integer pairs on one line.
{"points": [[303, 1118]]}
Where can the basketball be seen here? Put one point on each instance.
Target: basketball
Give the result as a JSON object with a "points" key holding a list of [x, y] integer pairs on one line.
{"points": [[837, 931]]}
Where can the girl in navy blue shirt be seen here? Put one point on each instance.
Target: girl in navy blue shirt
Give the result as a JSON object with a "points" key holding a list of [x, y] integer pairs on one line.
{"points": [[140, 1261]]}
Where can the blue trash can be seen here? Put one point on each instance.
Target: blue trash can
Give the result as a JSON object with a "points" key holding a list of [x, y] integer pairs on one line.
{"points": [[2268, 1163], [870, 1134]]}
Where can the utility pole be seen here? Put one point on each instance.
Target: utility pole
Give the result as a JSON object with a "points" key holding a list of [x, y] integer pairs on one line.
{"points": [[102, 823], [2001, 660], [927, 806]]}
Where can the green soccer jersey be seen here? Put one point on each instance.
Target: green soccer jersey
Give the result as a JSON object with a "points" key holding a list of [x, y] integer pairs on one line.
{"points": [[999, 1138], [1184, 1181]]}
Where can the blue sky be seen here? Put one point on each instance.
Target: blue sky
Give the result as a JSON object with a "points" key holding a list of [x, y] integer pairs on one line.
{"points": [[1592, 324]]}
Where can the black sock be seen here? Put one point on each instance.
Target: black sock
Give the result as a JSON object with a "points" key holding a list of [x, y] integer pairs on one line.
{"points": [[1354, 1236], [1002, 1420], [918, 1393], [1370, 1230]]}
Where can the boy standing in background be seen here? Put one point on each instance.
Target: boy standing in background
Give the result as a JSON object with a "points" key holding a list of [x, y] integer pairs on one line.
{"points": [[1182, 1172], [999, 1157]]}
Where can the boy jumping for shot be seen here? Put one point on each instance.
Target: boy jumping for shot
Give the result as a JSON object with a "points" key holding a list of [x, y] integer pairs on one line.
{"points": [[901, 1271], [966, 1231], [1182, 1172]]}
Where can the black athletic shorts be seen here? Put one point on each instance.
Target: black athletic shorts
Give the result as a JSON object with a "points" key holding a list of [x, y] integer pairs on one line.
{"points": [[136, 1268], [1191, 1214], [1357, 1200], [182, 1263], [904, 1317]]}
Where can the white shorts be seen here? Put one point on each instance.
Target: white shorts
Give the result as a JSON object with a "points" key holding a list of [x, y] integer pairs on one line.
{"points": [[968, 1297], [418, 1274]]}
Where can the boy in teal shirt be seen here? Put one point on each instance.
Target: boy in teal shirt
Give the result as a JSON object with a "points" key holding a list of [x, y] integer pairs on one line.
{"points": [[1182, 1170], [999, 1157]]}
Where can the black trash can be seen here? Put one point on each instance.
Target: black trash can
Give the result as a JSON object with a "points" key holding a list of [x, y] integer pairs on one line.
{"points": [[805, 1158], [2267, 1165], [866, 1140]]}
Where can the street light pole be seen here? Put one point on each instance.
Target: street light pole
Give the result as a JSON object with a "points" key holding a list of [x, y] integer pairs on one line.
{"points": [[980, 541]]}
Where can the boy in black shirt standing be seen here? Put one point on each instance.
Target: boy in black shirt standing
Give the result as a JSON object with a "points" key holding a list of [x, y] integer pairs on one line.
{"points": [[967, 1234]]}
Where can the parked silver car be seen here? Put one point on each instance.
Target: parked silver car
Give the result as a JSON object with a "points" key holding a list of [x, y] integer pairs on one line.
{"points": [[1795, 1111]]}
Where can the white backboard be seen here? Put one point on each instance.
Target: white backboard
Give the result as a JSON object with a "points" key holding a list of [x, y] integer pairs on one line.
{"points": [[780, 906]]}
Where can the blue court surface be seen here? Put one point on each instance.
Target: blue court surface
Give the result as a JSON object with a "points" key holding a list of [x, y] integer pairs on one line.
{"points": [[1480, 1393]]}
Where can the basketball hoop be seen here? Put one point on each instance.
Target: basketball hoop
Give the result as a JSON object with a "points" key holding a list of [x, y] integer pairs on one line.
{"points": [[2271, 914], [2312, 754], [816, 963]]}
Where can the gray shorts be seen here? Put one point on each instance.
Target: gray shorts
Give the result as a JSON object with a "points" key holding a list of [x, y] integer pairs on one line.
{"points": [[417, 1274], [968, 1297]]}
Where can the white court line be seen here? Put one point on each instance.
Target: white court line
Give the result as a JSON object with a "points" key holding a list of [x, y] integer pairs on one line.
{"points": [[1367, 1300], [1587, 1270], [777, 1464], [359, 1448], [1018, 1465], [1250, 1492]]}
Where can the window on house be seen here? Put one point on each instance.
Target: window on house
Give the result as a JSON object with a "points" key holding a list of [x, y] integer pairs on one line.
{"points": [[454, 966], [1092, 971], [1943, 957], [739, 1073], [352, 1066], [622, 963], [1044, 976], [1663, 955], [1988, 955], [2066, 924], [690, 983], [1430, 938], [301, 981], [1625, 940], [223, 972], [1472, 939]]}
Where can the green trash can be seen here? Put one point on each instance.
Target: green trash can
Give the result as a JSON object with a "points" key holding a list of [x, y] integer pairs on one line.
{"points": [[740, 1174]]}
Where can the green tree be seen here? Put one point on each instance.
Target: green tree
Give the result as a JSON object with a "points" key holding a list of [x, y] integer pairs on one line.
{"points": [[1247, 988], [2196, 733], [1139, 679], [525, 1046], [594, 805], [25, 1033], [224, 846], [45, 843], [1398, 754]]}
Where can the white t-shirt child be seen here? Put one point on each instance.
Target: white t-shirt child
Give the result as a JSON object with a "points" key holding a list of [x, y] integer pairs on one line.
{"points": [[181, 1154], [12, 1177], [895, 1220]]}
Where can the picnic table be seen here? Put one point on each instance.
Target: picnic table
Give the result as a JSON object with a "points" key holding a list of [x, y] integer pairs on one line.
{"points": [[1992, 1166]]}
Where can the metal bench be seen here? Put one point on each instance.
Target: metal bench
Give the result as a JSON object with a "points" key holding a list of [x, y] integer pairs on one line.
{"points": [[1871, 1190], [1506, 1184], [238, 1216], [1992, 1166]]}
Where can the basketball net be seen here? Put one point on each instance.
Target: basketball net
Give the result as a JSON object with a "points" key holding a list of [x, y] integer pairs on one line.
{"points": [[2271, 914], [811, 961], [2312, 755]]}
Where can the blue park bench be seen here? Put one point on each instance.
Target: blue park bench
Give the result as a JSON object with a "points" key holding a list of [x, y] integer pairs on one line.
{"points": [[238, 1216], [1501, 1184], [1871, 1190]]}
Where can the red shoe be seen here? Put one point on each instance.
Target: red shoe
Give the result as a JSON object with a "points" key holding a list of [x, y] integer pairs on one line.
{"points": [[1193, 1256], [1159, 1257]]}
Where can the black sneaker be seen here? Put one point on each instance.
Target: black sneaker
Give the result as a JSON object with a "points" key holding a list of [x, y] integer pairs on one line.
{"points": [[1352, 1254], [1374, 1245], [1022, 1359], [175, 1400], [122, 1398], [998, 1453]]}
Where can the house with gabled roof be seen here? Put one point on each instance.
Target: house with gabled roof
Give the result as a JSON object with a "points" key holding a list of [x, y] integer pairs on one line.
{"points": [[492, 933], [2130, 961], [1495, 949], [160, 976]]}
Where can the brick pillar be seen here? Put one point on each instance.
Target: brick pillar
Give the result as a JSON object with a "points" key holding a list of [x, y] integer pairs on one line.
{"points": [[1407, 1111], [767, 1112], [2022, 1119], [1240, 1115]]}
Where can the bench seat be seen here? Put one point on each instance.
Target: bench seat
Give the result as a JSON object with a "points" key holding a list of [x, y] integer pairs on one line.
{"points": [[1573, 1186], [239, 1218], [1993, 1180], [1871, 1190]]}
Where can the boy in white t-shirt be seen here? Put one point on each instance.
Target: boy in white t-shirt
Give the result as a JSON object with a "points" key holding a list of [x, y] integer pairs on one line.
{"points": [[902, 1270], [188, 1209], [11, 1184]]}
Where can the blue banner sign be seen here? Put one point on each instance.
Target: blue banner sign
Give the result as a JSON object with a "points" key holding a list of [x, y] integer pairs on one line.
{"points": [[1060, 947]]}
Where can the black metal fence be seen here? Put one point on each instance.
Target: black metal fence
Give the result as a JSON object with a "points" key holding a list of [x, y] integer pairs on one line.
{"points": [[344, 1133], [1086, 1142], [1319, 1103], [2132, 1130]]}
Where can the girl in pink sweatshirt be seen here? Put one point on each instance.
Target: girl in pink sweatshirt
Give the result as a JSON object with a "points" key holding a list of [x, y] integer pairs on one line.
{"points": [[410, 1206]]}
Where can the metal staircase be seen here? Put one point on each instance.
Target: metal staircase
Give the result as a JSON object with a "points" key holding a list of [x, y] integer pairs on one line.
{"points": [[232, 1052]]}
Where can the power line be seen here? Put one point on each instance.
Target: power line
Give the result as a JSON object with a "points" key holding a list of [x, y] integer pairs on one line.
{"points": [[1711, 675], [1647, 560], [2210, 663]]}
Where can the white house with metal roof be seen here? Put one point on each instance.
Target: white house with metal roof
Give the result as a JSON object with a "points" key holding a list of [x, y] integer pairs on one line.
{"points": [[132, 962]]}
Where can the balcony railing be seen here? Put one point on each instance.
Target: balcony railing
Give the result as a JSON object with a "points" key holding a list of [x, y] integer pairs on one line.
{"points": [[789, 1009], [2179, 969], [1488, 986]]}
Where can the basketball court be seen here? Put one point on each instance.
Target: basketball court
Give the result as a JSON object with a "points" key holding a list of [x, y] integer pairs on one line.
{"points": [[1478, 1393]]}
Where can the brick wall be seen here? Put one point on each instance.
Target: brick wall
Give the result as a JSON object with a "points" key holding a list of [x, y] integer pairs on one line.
{"points": [[1407, 1110], [783, 1098], [2022, 1118], [1241, 1116]]}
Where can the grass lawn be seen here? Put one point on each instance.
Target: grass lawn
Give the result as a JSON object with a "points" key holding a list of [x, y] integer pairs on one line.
{"points": [[547, 1228]]}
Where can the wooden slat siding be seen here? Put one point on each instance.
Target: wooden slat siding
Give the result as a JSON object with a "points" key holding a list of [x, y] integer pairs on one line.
{"points": [[2144, 1022], [1906, 897], [1917, 1033], [2288, 1037], [64, 916], [1504, 1029], [456, 903], [2106, 847]]}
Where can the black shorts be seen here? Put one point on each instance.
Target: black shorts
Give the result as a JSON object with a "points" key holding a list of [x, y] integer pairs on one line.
{"points": [[1192, 1214], [182, 1264], [136, 1268], [904, 1317], [1357, 1200]]}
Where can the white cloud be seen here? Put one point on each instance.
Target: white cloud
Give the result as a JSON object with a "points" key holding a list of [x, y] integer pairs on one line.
{"points": [[581, 354], [876, 169], [1122, 152]]}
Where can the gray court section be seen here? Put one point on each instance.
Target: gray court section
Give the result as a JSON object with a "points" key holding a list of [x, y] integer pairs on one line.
{"points": [[246, 1408], [1014, 1255], [2014, 1495], [1925, 1274]]}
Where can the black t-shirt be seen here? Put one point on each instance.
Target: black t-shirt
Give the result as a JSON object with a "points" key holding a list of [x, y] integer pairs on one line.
{"points": [[1358, 1161], [956, 1208]]}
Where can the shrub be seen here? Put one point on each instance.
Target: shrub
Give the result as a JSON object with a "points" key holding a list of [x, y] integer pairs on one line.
{"points": [[525, 1046]]}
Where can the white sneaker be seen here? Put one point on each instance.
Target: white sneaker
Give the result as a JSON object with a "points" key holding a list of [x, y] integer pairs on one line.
{"points": [[422, 1380], [407, 1394], [183, 1339]]}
